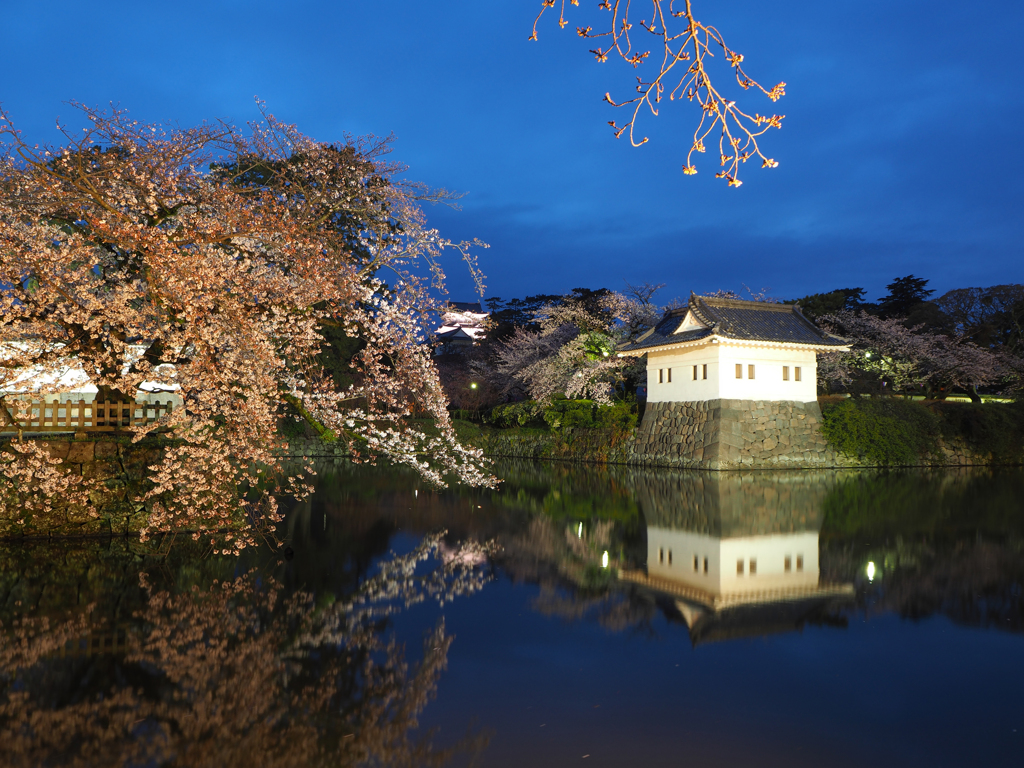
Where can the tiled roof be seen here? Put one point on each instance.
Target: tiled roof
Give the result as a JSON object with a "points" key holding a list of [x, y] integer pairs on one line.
{"points": [[736, 319], [454, 333]]}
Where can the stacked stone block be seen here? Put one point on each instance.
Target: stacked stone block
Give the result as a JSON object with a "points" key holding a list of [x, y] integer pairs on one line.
{"points": [[732, 434]]}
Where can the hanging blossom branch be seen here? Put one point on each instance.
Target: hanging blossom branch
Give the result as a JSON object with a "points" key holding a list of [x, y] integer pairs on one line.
{"points": [[682, 74]]}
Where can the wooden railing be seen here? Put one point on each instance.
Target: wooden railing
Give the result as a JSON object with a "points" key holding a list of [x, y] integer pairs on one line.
{"points": [[80, 416], [95, 644]]}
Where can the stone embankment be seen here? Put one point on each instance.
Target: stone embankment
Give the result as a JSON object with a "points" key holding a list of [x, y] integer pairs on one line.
{"points": [[114, 469], [716, 434], [733, 434], [310, 447]]}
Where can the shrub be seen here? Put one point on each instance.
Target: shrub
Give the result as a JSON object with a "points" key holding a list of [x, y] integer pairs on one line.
{"points": [[570, 414], [882, 430], [515, 414], [990, 428], [585, 414], [619, 417]]}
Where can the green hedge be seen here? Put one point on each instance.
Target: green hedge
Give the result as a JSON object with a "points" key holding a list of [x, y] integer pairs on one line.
{"points": [[882, 430], [565, 414], [516, 415], [891, 431], [586, 414]]}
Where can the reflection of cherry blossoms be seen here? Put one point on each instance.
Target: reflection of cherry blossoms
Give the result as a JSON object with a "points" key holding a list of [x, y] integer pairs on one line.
{"points": [[238, 673], [566, 562]]}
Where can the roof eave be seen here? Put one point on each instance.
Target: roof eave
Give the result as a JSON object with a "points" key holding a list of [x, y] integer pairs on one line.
{"points": [[721, 338]]}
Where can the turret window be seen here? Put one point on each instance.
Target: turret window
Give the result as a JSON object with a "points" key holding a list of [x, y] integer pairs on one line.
{"points": [[796, 374], [785, 373], [739, 370]]}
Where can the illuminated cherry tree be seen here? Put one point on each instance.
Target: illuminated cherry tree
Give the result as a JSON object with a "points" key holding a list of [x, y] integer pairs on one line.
{"points": [[903, 357], [573, 353], [207, 261]]}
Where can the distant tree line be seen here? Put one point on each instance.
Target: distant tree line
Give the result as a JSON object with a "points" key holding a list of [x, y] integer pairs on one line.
{"points": [[544, 347]]}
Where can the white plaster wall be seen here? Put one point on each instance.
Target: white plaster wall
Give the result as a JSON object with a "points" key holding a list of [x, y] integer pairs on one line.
{"points": [[767, 383], [721, 578], [721, 359], [770, 553], [683, 387]]}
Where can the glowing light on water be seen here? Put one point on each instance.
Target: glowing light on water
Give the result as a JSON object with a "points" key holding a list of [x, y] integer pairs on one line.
{"points": [[871, 571], [579, 533], [604, 559]]}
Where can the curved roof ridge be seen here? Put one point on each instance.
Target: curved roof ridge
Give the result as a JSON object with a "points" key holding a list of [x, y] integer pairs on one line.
{"points": [[698, 311]]}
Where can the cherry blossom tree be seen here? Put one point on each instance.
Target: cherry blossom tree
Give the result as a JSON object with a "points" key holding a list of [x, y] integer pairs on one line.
{"points": [[207, 260], [681, 49], [903, 358], [993, 318], [573, 353]]}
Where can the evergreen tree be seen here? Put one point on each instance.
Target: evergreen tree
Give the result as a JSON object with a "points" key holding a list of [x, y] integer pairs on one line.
{"points": [[905, 295]]}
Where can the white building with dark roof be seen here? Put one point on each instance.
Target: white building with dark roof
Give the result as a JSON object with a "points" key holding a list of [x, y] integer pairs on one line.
{"points": [[726, 348], [462, 324], [732, 383]]}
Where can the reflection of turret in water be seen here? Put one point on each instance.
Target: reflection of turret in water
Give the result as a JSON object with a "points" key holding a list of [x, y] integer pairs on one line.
{"points": [[735, 554]]}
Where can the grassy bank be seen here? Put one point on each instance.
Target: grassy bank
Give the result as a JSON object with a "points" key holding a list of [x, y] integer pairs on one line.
{"points": [[892, 431]]}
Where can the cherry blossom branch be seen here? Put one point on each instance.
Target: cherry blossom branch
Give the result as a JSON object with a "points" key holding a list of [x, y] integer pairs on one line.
{"points": [[682, 55]]}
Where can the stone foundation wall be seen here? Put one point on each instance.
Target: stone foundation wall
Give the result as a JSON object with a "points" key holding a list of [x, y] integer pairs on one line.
{"points": [[116, 469], [733, 434], [313, 447]]}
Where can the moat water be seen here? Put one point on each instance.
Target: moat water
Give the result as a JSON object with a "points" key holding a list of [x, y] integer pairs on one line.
{"points": [[578, 615]]}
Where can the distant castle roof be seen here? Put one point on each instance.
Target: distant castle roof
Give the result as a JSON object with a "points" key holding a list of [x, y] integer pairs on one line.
{"points": [[465, 306], [733, 319]]}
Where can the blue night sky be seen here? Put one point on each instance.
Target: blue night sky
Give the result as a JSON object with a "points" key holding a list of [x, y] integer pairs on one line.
{"points": [[898, 154]]}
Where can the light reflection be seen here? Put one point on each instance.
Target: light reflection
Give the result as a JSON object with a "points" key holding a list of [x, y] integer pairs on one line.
{"points": [[871, 571], [604, 559]]}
